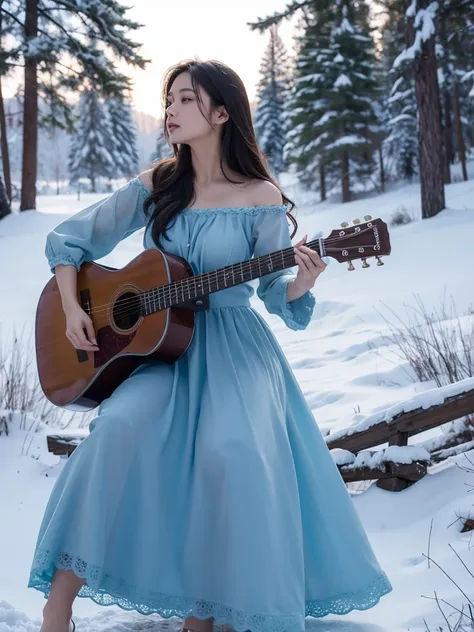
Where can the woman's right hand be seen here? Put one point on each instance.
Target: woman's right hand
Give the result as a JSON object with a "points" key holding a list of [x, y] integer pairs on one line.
{"points": [[76, 322]]}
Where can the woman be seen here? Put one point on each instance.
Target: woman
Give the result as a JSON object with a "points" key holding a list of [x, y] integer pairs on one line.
{"points": [[205, 489]]}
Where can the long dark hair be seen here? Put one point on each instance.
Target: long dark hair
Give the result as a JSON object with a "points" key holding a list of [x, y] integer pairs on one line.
{"points": [[173, 178]]}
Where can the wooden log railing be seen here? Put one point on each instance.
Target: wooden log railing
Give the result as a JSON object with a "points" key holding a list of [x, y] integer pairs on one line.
{"points": [[397, 429], [62, 444]]}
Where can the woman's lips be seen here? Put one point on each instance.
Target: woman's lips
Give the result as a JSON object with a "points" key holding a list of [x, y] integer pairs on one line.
{"points": [[172, 127]]}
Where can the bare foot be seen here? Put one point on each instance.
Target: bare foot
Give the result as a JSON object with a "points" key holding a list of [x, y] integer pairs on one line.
{"points": [[54, 621]]}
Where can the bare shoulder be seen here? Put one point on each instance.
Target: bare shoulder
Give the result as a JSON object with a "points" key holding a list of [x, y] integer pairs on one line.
{"points": [[265, 193], [145, 177]]}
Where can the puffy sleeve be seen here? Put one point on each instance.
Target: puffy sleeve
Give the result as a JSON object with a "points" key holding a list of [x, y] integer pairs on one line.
{"points": [[96, 230], [271, 233]]}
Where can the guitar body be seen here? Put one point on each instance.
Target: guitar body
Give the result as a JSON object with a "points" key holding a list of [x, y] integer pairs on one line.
{"points": [[80, 380]]}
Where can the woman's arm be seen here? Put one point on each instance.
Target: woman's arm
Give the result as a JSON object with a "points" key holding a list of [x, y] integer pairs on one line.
{"points": [[278, 290], [89, 235], [66, 277], [96, 230]]}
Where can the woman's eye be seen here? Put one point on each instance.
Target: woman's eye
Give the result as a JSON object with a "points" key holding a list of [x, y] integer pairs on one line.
{"points": [[186, 99]]}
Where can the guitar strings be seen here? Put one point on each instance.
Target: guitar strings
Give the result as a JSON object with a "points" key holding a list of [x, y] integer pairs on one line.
{"points": [[126, 311], [163, 293], [166, 291], [187, 289]]}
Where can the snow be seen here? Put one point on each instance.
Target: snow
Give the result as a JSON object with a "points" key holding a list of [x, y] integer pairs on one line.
{"points": [[326, 117], [342, 81], [345, 141], [344, 27], [424, 24], [392, 454], [350, 378], [424, 400], [377, 458], [467, 77], [411, 11], [400, 118]]}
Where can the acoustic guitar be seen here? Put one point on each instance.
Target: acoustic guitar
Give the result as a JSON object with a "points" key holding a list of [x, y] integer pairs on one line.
{"points": [[137, 321]]}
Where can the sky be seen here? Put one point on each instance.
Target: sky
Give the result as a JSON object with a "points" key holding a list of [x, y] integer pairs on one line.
{"points": [[209, 29]]}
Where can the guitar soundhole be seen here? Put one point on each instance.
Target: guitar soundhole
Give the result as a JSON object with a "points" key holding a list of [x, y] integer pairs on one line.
{"points": [[126, 311]]}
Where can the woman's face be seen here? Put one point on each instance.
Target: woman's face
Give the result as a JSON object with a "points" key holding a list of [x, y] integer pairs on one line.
{"points": [[183, 111]]}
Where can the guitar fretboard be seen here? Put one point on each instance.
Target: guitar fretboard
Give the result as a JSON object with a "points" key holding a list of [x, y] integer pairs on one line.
{"points": [[194, 287]]}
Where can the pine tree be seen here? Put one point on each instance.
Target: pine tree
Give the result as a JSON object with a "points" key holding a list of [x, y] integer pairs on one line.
{"points": [[8, 29], [123, 145], [309, 105], [420, 52], [401, 142], [49, 35], [333, 113], [400, 110], [351, 122], [90, 156], [271, 121], [457, 45], [334, 80]]}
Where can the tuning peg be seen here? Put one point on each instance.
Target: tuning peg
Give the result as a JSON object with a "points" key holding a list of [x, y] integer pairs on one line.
{"points": [[379, 261], [344, 225], [365, 264], [356, 220], [367, 218], [351, 267]]}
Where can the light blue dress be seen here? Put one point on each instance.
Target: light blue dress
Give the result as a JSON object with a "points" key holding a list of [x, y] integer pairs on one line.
{"points": [[205, 487]]}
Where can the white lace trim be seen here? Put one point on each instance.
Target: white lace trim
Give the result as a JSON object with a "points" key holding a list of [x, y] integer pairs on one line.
{"points": [[106, 590]]}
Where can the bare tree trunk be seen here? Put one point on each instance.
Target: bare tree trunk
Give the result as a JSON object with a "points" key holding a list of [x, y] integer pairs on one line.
{"points": [[57, 166], [459, 131], [30, 115], [322, 181], [4, 143], [448, 137], [4, 204], [430, 133], [447, 124], [346, 192], [3, 133], [382, 169]]}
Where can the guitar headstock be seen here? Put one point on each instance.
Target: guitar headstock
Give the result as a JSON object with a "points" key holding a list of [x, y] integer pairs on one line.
{"points": [[359, 241]]}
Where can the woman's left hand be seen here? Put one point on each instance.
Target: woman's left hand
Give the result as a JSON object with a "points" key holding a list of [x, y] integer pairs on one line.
{"points": [[310, 266]]}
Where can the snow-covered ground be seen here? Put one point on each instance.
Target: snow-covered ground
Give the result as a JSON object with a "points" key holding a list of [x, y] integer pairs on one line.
{"points": [[347, 372]]}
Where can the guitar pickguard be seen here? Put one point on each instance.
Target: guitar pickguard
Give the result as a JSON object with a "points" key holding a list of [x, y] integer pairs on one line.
{"points": [[110, 344]]}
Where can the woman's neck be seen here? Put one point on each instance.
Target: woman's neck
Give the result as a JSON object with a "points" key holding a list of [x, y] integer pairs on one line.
{"points": [[206, 159]]}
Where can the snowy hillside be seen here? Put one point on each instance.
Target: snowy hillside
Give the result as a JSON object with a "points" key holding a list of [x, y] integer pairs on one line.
{"points": [[347, 370]]}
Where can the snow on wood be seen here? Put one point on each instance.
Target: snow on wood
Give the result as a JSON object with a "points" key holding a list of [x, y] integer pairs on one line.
{"points": [[377, 458], [422, 401], [425, 27]]}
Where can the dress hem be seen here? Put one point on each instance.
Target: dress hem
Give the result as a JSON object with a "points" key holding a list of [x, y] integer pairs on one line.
{"points": [[167, 606]]}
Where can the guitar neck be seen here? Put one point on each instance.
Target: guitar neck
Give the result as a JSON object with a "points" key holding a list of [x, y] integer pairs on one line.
{"points": [[194, 287]]}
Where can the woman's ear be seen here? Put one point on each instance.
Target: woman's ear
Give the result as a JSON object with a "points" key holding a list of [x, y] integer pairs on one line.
{"points": [[222, 115]]}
